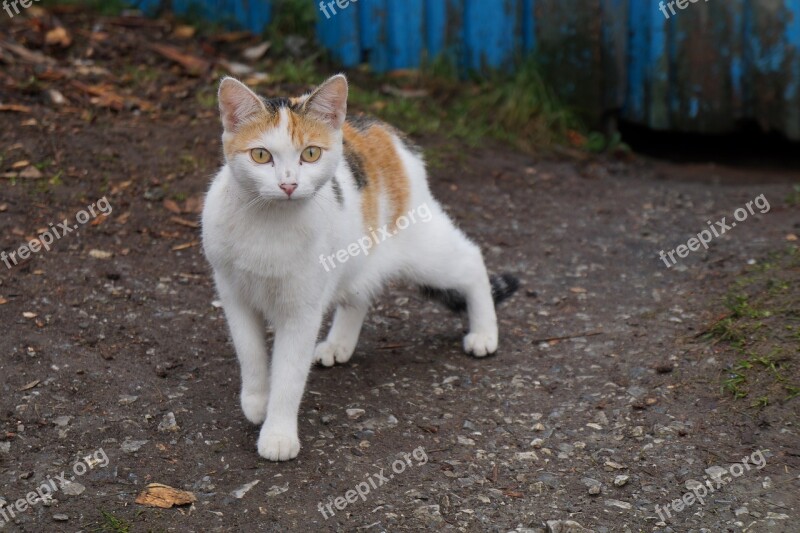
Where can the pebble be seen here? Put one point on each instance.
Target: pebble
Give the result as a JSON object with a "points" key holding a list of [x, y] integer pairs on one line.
{"points": [[564, 526], [5, 447], [62, 421], [244, 489], [618, 503], [131, 446], [465, 441], [355, 414], [537, 443], [277, 489], [168, 423], [73, 489], [621, 481], [538, 426], [60, 517]]}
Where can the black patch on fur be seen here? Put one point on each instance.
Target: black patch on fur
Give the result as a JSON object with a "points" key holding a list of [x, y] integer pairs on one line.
{"points": [[503, 287], [337, 191], [356, 164], [362, 122], [274, 104]]}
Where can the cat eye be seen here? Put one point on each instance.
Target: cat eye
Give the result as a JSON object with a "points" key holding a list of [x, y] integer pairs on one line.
{"points": [[311, 154], [261, 156]]}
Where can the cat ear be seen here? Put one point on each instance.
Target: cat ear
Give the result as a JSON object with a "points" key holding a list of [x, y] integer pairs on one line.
{"points": [[328, 102], [237, 103]]}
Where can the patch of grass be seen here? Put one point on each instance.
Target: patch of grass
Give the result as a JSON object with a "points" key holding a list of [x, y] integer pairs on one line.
{"points": [[761, 325], [112, 524], [794, 197]]}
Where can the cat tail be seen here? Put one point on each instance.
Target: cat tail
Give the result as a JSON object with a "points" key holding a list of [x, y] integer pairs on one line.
{"points": [[503, 287]]}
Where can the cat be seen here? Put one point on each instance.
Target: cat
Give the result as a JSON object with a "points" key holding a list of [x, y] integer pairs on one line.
{"points": [[301, 189]]}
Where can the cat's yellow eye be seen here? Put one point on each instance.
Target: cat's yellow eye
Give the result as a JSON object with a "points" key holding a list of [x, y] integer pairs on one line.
{"points": [[261, 156], [311, 154]]}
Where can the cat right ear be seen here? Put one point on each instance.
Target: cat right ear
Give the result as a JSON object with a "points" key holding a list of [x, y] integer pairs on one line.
{"points": [[237, 103]]}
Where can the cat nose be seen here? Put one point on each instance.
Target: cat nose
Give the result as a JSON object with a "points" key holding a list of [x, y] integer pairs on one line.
{"points": [[288, 188]]}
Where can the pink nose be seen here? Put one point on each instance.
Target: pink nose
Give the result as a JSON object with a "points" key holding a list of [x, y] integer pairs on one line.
{"points": [[288, 188]]}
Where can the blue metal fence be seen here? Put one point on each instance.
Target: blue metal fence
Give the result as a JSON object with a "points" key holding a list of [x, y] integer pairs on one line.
{"points": [[704, 68]]}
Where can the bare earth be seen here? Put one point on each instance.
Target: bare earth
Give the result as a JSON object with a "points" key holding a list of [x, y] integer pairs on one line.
{"points": [[115, 328]]}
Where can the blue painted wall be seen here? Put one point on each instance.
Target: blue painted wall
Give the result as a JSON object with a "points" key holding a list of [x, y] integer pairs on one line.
{"points": [[703, 69]]}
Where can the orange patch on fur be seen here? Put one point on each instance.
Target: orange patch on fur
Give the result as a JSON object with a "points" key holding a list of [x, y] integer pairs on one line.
{"points": [[386, 175], [244, 139]]}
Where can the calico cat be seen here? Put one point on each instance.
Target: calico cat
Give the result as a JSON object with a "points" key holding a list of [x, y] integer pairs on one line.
{"points": [[301, 190]]}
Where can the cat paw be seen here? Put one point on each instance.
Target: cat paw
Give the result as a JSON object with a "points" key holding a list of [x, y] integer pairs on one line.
{"points": [[329, 353], [277, 447], [480, 344], [254, 406]]}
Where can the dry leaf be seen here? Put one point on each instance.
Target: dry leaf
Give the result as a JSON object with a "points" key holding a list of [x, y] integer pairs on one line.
{"points": [[28, 314], [172, 206], [15, 108], [184, 32], [184, 246], [164, 497], [791, 237], [21, 164], [58, 36], [578, 290], [193, 65], [3, 301], [29, 386], [31, 173], [100, 254], [193, 205], [183, 222], [3, 208]]}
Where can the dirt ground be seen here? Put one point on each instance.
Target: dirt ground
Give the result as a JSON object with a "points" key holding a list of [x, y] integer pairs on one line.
{"points": [[611, 391]]}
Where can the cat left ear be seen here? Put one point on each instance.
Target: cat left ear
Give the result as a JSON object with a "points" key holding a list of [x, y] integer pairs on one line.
{"points": [[237, 103], [329, 102]]}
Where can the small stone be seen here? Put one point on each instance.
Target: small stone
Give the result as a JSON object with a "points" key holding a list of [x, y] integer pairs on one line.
{"points": [[537, 443], [31, 173], [62, 421], [127, 400], [465, 441], [429, 513], [621, 481], [381, 422], [538, 426], [5, 447], [564, 526], [244, 489], [618, 503], [692, 484], [614, 466], [594, 490], [355, 414], [131, 446], [275, 490], [60, 517], [168, 423], [715, 472], [73, 489], [526, 456], [741, 511]]}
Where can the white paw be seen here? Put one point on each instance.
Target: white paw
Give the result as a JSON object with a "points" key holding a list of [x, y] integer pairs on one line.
{"points": [[254, 406], [278, 447], [480, 344], [329, 353]]}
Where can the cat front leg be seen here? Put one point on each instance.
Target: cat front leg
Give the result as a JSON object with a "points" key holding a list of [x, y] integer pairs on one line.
{"points": [[291, 362], [247, 330]]}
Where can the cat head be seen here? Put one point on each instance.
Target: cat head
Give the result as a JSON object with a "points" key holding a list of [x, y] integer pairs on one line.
{"points": [[285, 148]]}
